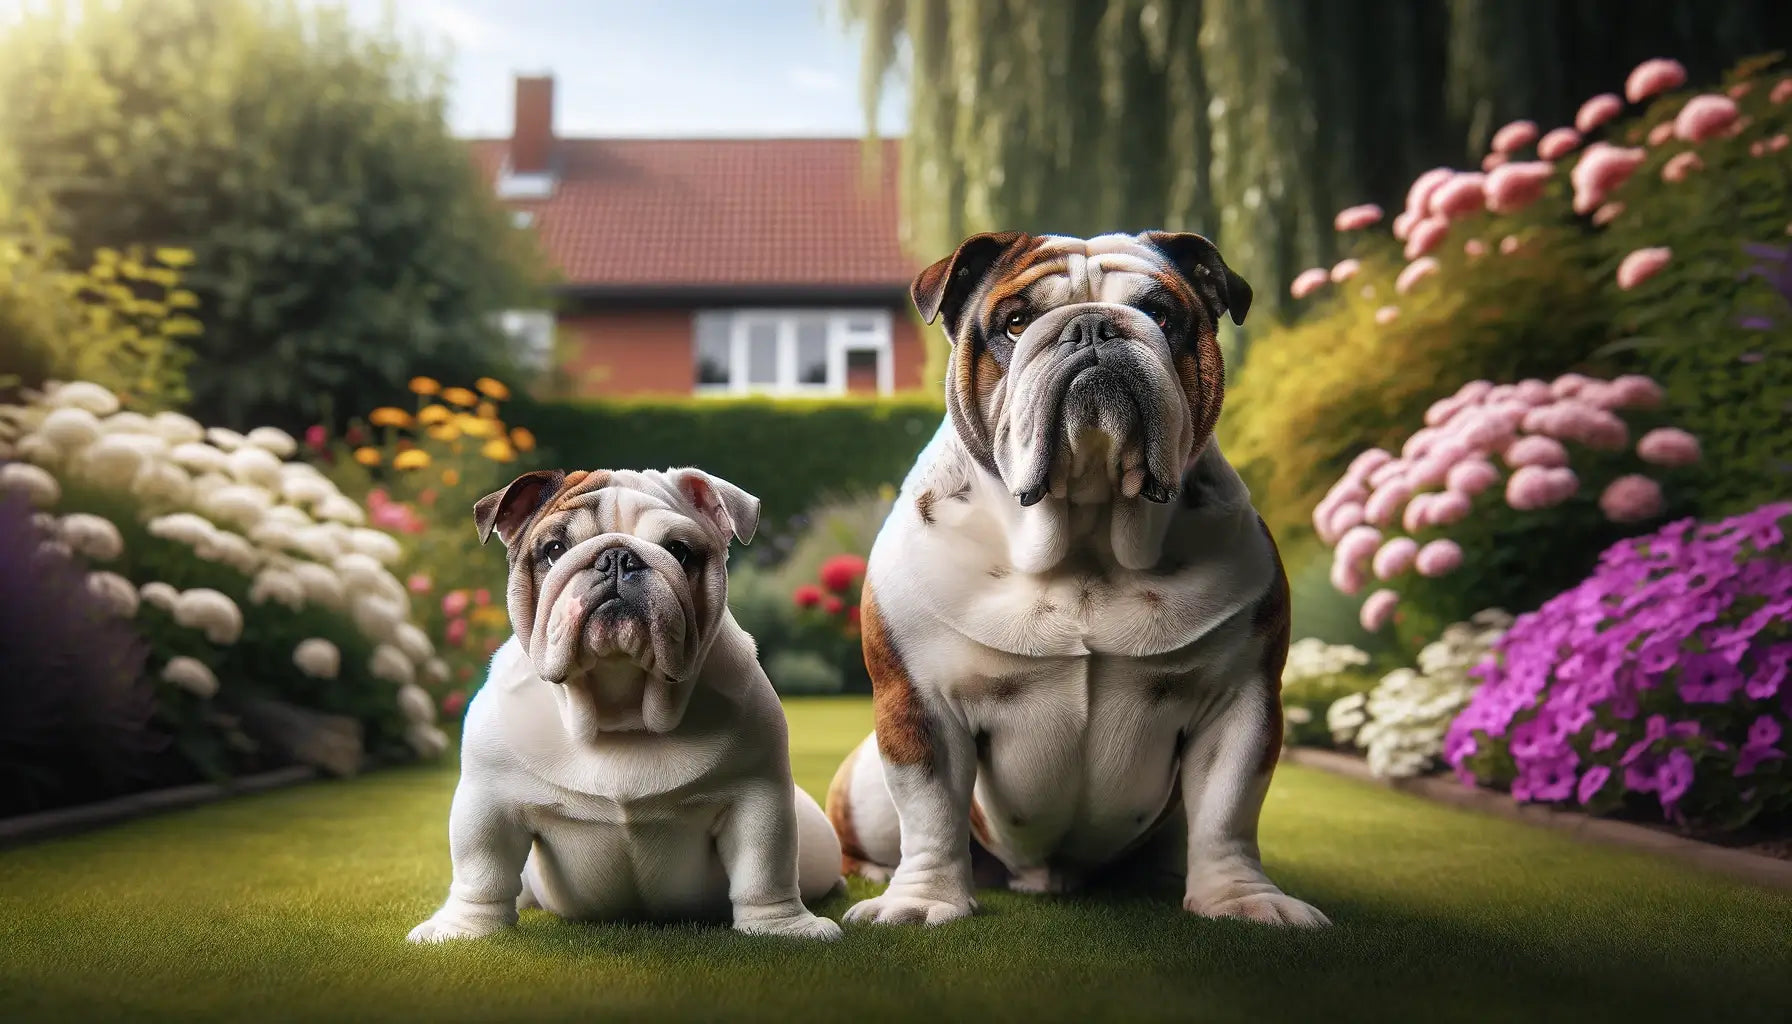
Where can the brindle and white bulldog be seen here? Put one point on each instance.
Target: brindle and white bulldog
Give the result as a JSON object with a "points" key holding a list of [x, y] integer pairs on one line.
{"points": [[1074, 619], [627, 758]]}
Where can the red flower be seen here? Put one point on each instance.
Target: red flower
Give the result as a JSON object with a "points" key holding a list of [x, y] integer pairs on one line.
{"points": [[839, 572], [354, 435], [316, 437], [852, 615], [806, 596], [482, 597], [832, 605], [427, 496], [454, 703]]}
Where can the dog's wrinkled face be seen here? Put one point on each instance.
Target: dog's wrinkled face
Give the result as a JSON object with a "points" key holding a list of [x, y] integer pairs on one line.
{"points": [[618, 582], [1086, 369]]}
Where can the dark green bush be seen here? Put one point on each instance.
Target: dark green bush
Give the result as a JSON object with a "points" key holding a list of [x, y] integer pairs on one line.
{"points": [[791, 453]]}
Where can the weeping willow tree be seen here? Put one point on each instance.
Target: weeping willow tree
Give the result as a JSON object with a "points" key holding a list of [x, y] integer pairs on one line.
{"points": [[1251, 121]]}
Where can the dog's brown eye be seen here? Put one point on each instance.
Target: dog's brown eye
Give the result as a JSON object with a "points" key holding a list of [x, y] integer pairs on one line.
{"points": [[1159, 315], [1017, 321], [552, 550], [680, 552]]}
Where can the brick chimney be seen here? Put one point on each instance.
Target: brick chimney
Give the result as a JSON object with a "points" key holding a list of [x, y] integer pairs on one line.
{"points": [[532, 134]]}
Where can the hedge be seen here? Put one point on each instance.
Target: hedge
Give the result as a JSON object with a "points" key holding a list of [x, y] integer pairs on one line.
{"points": [[791, 453]]}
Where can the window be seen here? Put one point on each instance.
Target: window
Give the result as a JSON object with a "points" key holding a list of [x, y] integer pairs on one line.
{"points": [[828, 352], [531, 334]]}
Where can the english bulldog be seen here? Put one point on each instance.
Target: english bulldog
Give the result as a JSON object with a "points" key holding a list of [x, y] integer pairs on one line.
{"points": [[627, 758], [1074, 619]]}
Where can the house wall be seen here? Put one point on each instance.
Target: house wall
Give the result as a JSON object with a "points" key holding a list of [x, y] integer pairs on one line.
{"points": [[648, 351]]}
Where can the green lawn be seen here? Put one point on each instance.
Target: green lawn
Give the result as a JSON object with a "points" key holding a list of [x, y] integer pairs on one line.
{"points": [[294, 906]]}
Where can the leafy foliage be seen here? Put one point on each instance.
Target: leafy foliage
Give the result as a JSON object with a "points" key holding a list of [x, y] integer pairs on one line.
{"points": [[342, 238]]}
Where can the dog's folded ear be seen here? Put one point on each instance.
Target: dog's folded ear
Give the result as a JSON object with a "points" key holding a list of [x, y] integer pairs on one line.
{"points": [[941, 289], [507, 511], [1198, 261], [734, 511]]}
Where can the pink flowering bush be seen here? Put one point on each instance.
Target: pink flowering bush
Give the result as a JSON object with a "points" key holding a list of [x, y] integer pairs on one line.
{"points": [[1658, 685]]}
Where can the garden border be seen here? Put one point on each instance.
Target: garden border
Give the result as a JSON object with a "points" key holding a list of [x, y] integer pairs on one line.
{"points": [[1738, 864], [63, 821]]}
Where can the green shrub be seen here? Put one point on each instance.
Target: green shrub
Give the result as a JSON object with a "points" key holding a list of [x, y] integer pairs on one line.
{"points": [[802, 673], [342, 237], [793, 454]]}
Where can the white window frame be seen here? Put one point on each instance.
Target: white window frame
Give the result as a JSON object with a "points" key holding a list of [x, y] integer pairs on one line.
{"points": [[841, 339], [531, 334]]}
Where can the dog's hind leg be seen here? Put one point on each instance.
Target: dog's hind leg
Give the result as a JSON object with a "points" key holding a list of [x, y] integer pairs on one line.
{"points": [[527, 900], [864, 816]]}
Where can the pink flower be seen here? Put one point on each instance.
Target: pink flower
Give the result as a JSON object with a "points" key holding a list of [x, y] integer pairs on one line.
{"points": [[1680, 165], [1394, 558], [1782, 91], [1516, 135], [1576, 420], [1376, 610], [1474, 248], [1418, 196], [1536, 450], [454, 603], [1653, 77], [1357, 546], [1403, 224], [316, 437], [1757, 148], [1446, 507], [1600, 169], [1537, 487], [1346, 578], [1416, 271], [1417, 515], [1344, 270], [1606, 214], [1668, 446], [419, 583], [1778, 142], [1532, 391], [1344, 518], [1474, 390], [1493, 160], [1464, 195], [1705, 117], [1425, 235], [377, 497], [1356, 218], [1631, 499], [482, 597], [1661, 133], [1308, 281], [1634, 391], [1597, 111], [1368, 462], [1443, 410], [1386, 501], [1569, 384], [1508, 245], [1739, 90], [456, 632], [1485, 429], [1393, 469], [1387, 315], [1471, 477], [1517, 185], [1642, 264], [1438, 557], [1558, 143]]}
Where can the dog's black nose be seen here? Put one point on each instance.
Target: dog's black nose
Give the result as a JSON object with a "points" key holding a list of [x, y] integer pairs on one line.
{"points": [[1086, 329], [619, 562]]}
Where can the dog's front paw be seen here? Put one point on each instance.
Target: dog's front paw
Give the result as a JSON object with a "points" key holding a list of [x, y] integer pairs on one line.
{"points": [[795, 926], [1274, 908], [896, 908], [437, 929]]}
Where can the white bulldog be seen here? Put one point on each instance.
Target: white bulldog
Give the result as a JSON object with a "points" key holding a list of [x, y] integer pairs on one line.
{"points": [[1074, 620], [627, 758]]}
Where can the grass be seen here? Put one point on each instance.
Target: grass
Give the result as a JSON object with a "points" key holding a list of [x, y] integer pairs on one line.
{"points": [[294, 906]]}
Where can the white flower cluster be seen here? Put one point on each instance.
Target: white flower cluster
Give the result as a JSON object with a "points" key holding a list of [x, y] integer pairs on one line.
{"points": [[1313, 658], [1402, 721], [235, 500]]}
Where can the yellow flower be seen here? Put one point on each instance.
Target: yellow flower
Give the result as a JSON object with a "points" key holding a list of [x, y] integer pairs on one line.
{"points": [[524, 441], [473, 426], [416, 458], [183, 299], [425, 385], [498, 450], [174, 257], [105, 255], [459, 396], [886, 492], [445, 432], [487, 411], [492, 389], [389, 416], [367, 456], [181, 326], [450, 477], [490, 615], [434, 414]]}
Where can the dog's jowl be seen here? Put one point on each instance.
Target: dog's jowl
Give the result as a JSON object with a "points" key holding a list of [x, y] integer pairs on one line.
{"points": [[627, 758], [1074, 619]]}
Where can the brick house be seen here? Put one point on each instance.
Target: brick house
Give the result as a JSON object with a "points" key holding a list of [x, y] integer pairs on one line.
{"points": [[728, 266]]}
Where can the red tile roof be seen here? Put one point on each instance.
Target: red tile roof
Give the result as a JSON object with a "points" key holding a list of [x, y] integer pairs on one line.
{"points": [[670, 213]]}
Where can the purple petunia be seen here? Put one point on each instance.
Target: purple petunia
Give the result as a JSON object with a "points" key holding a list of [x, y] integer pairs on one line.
{"points": [[1663, 674]]}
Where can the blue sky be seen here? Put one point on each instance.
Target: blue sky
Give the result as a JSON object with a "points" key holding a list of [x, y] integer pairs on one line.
{"points": [[651, 67]]}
